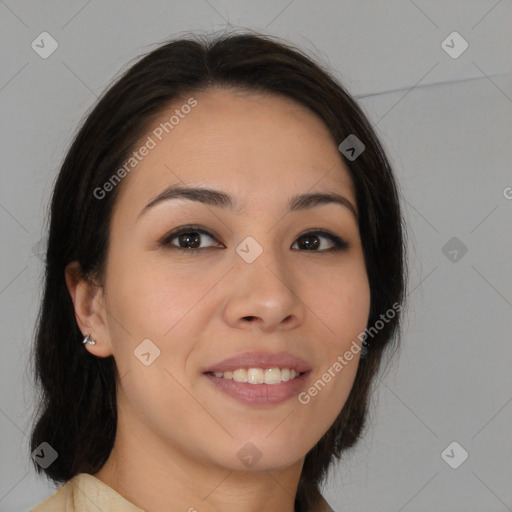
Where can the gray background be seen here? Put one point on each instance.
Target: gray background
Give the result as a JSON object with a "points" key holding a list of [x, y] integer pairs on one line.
{"points": [[446, 124]]}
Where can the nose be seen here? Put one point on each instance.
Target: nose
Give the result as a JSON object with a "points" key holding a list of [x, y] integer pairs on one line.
{"points": [[263, 295]]}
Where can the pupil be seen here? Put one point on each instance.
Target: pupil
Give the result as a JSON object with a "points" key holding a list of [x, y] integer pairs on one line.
{"points": [[310, 242], [189, 240]]}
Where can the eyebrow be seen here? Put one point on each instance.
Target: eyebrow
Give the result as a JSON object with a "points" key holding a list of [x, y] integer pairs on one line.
{"points": [[220, 199]]}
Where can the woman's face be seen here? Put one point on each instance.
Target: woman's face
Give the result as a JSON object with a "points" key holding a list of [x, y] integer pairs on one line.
{"points": [[248, 291]]}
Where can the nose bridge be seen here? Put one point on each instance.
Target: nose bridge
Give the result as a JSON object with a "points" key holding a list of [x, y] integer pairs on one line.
{"points": [[264, 263]]}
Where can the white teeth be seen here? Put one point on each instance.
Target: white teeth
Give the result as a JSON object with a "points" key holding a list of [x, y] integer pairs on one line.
{"points": [[255, 376], [259, 375], [240, 375], [272, 376]]}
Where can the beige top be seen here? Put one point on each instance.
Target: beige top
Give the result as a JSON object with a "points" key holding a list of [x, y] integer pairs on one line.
{"points": [[86, 493]]}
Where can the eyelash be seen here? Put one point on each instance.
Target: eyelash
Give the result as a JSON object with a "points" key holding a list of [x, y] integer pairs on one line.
{"points": [[339, 243]]}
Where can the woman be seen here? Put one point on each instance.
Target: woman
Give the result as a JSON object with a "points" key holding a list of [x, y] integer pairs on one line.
{"points": [[225, 234]]}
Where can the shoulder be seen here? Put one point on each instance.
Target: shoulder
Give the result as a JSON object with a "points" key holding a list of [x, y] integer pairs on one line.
{"points": [[85, 493], [57, 501]]}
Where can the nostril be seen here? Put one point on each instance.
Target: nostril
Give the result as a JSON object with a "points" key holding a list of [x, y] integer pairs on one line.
{"points": [[250, 318]]}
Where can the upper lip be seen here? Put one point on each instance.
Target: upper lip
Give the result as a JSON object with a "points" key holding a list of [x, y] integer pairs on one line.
{"points": [[260, 360]]}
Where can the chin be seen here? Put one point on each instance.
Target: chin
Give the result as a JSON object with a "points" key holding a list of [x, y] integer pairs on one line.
{"points": [[253, 454]]}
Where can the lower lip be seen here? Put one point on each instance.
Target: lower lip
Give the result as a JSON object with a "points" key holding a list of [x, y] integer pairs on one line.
{"points": [[259, 394]]}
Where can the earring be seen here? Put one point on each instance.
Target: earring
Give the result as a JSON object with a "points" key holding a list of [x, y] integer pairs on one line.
{"points": [[88, 340]]}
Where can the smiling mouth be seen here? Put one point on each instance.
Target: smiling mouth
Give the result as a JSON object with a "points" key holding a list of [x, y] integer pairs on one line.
{"points": [[269, 376], [260, 387]]}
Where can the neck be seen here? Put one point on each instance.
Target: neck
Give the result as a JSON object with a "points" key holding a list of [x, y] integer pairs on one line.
{"points": [[155, 476]]}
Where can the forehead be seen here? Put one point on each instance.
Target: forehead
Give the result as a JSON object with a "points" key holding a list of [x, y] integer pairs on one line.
{"points": [[251, 145]]}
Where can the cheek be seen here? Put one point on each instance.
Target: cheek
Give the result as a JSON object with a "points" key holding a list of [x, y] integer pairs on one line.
{"points": [[344, 310], [343, 304], [344, 307], [151, 298]]}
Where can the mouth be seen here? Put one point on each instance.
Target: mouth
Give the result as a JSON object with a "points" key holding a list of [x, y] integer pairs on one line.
{"points": [[260, 378]]}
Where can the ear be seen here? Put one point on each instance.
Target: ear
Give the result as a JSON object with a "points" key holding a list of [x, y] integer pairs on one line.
{"points": [[90, 310]]}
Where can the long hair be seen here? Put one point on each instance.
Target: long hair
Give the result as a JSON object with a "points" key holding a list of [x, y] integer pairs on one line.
{"points": [[77, 407]]}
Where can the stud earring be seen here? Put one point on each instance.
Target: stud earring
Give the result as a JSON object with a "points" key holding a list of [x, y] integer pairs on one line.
{"points": [[88, 340]]}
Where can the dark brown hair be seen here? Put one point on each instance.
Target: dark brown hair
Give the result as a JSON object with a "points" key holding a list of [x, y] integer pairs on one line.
{"points": [[77, 414]]}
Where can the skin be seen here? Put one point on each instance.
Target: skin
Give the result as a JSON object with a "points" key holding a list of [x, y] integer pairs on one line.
{"points": [[178, 435]]}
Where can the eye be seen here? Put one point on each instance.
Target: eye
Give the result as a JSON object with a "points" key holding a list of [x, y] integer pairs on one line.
{"points": [[188, 238], [312, 241]]}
